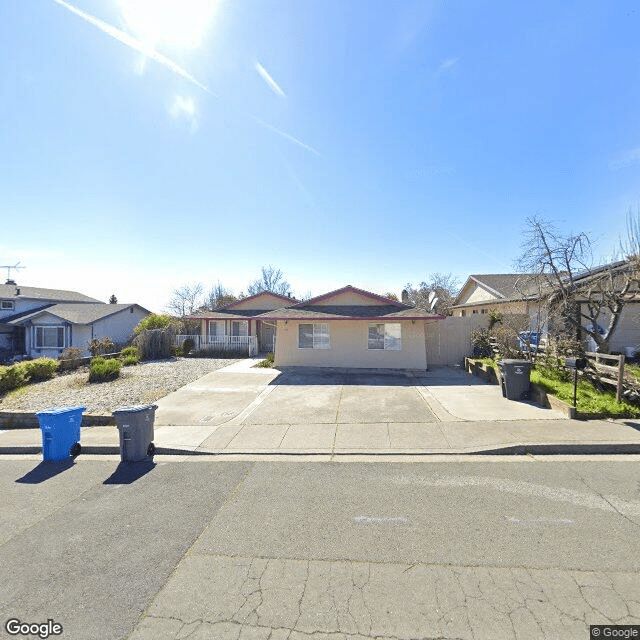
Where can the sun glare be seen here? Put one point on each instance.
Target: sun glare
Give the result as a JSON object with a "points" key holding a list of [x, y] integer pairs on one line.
{"points": [[178, 22]]}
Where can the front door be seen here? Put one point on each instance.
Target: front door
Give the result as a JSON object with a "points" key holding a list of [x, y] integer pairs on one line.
{"points": [[266, 334]]}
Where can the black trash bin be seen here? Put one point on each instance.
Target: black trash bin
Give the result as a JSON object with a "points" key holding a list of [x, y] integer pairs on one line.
{"points": [[135, 425], [515, 378]]}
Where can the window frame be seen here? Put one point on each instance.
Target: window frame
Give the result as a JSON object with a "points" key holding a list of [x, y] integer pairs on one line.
{"points": [[241, 323], [7, 305], [317, 341], [386, 339], [40, 330]]}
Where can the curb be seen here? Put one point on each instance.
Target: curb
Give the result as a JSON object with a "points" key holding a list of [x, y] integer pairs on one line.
{"points": [[605, 448]]}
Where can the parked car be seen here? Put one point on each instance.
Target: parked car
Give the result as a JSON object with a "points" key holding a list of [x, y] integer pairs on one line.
{"points": [[529, 341]]}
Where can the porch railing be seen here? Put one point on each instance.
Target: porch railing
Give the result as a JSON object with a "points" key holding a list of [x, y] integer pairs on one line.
{"points": [[224, 343]]}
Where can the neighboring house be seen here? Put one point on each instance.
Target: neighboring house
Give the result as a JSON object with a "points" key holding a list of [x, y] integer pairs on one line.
{"points": [[42, 322], [514, 293], [351, 328], [237, 325], [483, 292]]}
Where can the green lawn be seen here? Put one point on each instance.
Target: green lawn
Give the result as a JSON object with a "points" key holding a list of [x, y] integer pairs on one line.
{"points": [[590, 400], [559, 383]]}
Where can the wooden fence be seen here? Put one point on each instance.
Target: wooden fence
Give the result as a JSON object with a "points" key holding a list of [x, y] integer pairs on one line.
{"points": [[609, 373]]}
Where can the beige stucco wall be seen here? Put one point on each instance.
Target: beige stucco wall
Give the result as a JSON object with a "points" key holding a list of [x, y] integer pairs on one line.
{"points": [[265, 301], [507, 307], [348, 298], [349, 339], [478, 294], [627, 333]]}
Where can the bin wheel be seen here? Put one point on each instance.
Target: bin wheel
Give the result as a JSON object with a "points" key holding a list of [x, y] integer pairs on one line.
{"points": [[151, 449], [75, 450]]}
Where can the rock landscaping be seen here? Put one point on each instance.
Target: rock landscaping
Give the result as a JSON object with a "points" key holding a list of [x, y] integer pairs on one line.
{"points": [[140, 384]]}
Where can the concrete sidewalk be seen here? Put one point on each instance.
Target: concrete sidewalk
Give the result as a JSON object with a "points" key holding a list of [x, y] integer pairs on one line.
{"points": [[326, 440]]}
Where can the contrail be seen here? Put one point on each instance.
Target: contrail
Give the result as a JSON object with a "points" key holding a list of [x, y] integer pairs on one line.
{"points": [[273, 85], [151, 53], [287, 136], [133, 43]]}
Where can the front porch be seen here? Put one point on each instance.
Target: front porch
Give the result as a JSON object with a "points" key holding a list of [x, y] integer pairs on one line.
{"points": [[222, 343]]}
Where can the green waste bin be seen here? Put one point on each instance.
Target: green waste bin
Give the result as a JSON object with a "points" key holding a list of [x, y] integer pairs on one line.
{"points": [[515, 378], [135, 425]]}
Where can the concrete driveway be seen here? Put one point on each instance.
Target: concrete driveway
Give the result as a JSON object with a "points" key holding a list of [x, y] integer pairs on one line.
{"points": [[242, 394]]}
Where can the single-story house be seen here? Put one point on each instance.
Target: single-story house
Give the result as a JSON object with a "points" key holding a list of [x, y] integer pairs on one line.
{"points": [[346, 328], [517, 293], [239, 325], [50, 330], [37, 322], [351, 328], [482, 293]]}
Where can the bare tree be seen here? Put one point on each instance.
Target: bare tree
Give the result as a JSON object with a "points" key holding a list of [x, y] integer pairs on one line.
{"points": [[272, 280], [186, 300], [578, 296], [441, 288], [217, 297]]}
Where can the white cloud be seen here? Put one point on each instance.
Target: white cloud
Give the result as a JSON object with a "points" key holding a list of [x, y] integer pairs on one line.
{"points": [[271, 83], [182, 107], [625, 159], [447, 65]]}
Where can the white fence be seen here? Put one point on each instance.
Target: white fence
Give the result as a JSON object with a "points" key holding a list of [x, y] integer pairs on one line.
{"points": [[224, 343]]}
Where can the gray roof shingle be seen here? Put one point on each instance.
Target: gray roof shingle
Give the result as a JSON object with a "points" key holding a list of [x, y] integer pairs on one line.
{"points": [[78, 313], [12, 291], [347, 312]]}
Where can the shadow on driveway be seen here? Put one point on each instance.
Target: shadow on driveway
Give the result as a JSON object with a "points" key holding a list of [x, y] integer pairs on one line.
{"points": [[439, 376], [46, 470]]}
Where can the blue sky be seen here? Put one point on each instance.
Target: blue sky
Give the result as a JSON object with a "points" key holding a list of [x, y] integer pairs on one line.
{"points": [[345, 142]]}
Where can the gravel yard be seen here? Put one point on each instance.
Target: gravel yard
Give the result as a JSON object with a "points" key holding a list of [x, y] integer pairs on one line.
{"points": [[141, 384]]}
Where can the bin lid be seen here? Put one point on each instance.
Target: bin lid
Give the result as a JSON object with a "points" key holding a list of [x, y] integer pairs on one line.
{"points": [[56, 411], [512, 361], [135, 408]]}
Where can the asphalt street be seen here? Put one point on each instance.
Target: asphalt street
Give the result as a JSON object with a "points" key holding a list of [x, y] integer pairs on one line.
{"points": [[512, 548]]}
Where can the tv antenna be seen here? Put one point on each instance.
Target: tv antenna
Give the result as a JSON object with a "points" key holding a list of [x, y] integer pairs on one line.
{"points": [[17, 266]]}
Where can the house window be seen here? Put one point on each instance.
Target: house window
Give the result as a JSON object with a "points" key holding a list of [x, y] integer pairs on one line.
{"points": [[463, 313], [216, 329], [484, 311], [7, 305], [49, 337], [314, 336], [239, 328], [475, 311], [385, 336]]}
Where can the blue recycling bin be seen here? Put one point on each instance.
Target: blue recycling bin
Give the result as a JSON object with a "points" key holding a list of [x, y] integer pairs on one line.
{"points": [[60, 428]]}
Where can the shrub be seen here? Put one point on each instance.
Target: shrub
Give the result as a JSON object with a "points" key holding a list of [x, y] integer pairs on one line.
{"points": [[12, 377], [267, 362], [130, 356], [103, 345], [70, 359], [40, 369], [187, 346], [154, 321], [481, 344], [212, 352], [103, 370]]}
